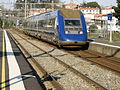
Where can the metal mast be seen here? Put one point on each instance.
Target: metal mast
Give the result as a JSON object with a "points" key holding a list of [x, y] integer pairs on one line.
{"points": [[25, 9]]}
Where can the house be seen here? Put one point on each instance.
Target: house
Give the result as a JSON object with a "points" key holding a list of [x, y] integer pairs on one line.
{"points": [[38, 11], [70, 6], [107, 10], [111, 25], [0, 11], [88, 10]]}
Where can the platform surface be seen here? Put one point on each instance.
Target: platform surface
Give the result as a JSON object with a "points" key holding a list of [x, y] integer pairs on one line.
{"points": [[15, 72]]}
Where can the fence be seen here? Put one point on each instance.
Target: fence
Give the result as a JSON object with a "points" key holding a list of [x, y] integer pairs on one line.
{"points": [[98, 30]]}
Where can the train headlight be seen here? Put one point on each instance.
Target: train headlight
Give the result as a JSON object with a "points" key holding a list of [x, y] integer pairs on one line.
{"points": [[67, 40], [66, 32], [80, 32]]}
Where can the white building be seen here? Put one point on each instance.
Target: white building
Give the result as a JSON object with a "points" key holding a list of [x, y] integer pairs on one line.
{"points": [[110, 24], [38, 11], [93, 14], [114, 20], [107, 10], [90, 10], [0, 11]]}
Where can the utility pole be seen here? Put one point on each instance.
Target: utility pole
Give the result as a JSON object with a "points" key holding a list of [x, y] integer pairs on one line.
{"points": [[52, 5], [25, 9], [110, 32]]}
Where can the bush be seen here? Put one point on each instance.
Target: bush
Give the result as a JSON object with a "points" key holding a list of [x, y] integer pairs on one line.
{"points": [[8, 23], [1, 23], [93, 28]]}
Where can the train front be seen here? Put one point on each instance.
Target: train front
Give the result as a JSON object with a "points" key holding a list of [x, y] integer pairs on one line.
{"points": [[72, 28]]}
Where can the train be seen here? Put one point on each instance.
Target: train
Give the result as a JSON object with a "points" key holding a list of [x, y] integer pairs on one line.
{"points": [[60, 27]]}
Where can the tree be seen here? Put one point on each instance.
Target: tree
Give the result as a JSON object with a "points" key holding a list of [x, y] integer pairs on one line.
{"points": [[1, 23], [117, 11], [91, 4], [93, 28]]}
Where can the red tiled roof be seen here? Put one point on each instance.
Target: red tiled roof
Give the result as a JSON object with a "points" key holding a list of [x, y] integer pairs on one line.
{"points": [[100, 15]]}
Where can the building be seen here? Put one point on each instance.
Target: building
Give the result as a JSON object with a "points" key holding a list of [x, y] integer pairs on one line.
{"points": [[110, 24], [85, 10], [90, 10], [0, 11], [70, 6], [107, 10], [38, 11]]}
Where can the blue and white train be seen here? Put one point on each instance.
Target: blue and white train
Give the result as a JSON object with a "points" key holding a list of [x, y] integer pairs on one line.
{"points": [[60, 27]]}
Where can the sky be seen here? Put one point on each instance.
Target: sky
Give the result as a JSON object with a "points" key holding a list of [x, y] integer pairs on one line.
{"points": [[103, 3], [100, 2]]}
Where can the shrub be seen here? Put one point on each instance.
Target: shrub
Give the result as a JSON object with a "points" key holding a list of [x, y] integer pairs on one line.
{"points": [[93, 28]]}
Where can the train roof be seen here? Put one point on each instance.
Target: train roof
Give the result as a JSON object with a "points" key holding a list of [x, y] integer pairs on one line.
{"points": [[66, 13], [42, 16]]}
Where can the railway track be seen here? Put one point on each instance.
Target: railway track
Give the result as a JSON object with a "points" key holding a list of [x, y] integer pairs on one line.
{"points": [[106, 61], [67, 66]]}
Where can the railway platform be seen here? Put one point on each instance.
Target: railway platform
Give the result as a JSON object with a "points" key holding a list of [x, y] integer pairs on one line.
{"points": [[15, 72], [112, 49]]}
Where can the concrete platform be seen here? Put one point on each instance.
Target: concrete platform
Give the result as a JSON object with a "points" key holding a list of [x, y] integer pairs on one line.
{"points": [[15, 72], [110, 49]]}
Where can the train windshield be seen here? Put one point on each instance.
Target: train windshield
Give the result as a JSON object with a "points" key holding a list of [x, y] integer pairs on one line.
{"points": [[73, 26], [72, 22]]}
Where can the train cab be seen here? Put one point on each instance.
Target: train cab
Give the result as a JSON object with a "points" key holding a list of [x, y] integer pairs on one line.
{"points": [[72, 28]]}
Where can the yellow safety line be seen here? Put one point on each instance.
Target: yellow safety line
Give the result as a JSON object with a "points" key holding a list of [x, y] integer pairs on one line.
{"points": [[3, 64]]}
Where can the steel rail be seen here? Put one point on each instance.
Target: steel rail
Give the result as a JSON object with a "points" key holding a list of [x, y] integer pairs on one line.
{"points": [[103, 56], [98, 62]]}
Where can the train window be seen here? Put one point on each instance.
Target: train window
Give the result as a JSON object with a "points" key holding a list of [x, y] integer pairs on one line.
{"points": [[25, 24], [72, 22], [51, 24], [46, 24], [73, 26], [42, 24]]}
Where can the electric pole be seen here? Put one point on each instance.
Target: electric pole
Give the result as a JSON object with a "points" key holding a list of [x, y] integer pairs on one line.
{"points": [[25, 9]]}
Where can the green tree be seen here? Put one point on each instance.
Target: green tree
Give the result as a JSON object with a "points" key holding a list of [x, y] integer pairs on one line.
{"points": [[117, 11], [1, 23], [91, 4], [8, 23], [93, 28]]}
